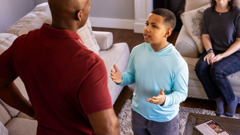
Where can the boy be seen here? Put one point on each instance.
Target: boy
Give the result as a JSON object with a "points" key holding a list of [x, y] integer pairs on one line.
{"points": [[161, 77], [66, 82]]}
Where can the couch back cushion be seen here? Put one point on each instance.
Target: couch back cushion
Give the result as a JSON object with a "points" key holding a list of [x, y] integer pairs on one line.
{"points": [[6, 40], [33, 20], [3, 129], [41, 14], [4, 113]]}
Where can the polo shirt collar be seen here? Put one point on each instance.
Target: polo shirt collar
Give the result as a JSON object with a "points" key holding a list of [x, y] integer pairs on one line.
{"points": [[59, 33]]}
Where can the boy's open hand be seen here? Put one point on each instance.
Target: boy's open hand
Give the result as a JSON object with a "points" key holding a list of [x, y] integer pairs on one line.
{"points": [[159, 99], [116, 75]]}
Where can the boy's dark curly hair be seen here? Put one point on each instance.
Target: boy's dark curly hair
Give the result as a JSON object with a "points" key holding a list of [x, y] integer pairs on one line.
{"points": [[169, 17], [232, 4]]}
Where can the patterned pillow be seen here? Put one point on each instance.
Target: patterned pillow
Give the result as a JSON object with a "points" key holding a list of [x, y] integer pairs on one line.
{"points": [[192, 20], [88, 38], [6, 40], [3, 129]]}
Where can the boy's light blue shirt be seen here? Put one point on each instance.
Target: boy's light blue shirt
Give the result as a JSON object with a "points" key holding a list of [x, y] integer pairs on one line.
{"points": [[152, 71]]}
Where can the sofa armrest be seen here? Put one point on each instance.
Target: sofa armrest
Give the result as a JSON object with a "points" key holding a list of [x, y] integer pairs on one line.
{"points": [[185, 44], [104, 39]]}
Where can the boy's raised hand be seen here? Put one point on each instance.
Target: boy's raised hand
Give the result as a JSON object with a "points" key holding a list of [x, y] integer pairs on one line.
{"points": [[159, 99], [116, 75]]}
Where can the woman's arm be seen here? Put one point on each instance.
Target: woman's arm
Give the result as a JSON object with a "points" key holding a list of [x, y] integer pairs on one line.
{"points": [[208, 46], [232, 49], [206, 41]]}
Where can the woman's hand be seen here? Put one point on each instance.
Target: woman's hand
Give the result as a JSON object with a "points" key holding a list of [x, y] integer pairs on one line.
{"points": [[209, 58], [116, 75], [217, 58]]}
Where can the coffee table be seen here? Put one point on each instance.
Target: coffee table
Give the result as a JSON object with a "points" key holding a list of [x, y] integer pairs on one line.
{"points": [[230, 124]]}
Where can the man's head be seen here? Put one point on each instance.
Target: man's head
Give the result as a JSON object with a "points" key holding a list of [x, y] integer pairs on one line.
{"points": [[69, 14], [159, 26]]}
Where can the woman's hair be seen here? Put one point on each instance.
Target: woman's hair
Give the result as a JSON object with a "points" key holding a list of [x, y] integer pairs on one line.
{"points": [[232, 4], [169, 17]]}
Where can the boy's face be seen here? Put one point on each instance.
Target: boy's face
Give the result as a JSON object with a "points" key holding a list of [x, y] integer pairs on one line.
{"points": [[155, 32]]}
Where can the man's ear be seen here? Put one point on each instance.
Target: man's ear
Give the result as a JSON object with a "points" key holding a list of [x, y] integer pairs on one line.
{"points": [[78, 15], [168, 32]]}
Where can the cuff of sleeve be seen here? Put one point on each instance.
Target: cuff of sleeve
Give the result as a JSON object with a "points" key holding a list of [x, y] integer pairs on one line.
{"points": [[121, 84], [167, 100]]}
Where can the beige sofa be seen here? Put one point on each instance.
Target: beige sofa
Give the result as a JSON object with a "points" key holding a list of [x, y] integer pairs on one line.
{"points": [[190, 46], [100, 42]]}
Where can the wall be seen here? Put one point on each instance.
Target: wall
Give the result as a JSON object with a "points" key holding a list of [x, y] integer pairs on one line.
{"points": [[104, 13], [12, 10], [36, 2], [112, 13]]}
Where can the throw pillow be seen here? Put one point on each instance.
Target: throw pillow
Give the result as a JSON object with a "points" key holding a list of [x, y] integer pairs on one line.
{"points": [[88, 38], [192, 20], [33, 20], [3, 129], [6, 40]]}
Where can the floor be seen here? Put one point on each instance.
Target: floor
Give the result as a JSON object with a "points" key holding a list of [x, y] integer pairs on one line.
{"points": [[133, 39]]}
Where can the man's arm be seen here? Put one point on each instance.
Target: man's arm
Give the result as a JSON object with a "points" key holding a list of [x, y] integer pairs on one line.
{"points": [[104, 122], [10, 94]]}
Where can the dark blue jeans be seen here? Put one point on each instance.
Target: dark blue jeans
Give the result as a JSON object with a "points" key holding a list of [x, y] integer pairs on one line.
{"points": [[214, 77], [143, 126]]}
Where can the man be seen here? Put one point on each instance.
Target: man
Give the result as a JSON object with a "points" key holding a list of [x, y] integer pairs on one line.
{"points": [[66, 82]]}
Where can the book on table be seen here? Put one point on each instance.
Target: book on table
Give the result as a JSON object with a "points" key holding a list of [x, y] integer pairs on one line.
{"points": [[211, 127]]}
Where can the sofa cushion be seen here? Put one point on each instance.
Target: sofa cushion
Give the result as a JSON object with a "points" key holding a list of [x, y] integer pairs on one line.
{"points": [[12, 111], [3, 129], [185, 45], [192, 20], [6, 40], [118, 54], [21, 126], [4, 114]]}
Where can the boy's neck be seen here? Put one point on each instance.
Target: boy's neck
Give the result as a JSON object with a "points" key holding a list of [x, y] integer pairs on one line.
{"points": [[160, 46]]}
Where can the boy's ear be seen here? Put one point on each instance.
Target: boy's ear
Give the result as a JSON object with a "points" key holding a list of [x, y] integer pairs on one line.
{"points": [[168, 32]]}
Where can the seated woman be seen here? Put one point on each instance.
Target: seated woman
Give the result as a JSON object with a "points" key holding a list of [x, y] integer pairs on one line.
{"points": [[221, 39]]}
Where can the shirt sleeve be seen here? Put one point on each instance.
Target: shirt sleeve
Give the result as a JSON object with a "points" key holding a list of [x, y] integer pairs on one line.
{"points": [[129, 76], [180, 87], [238, 25], [204, 23], [7, 69], [94, 95]]}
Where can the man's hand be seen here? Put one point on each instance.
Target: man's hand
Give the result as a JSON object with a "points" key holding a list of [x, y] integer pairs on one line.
{"points": [[10, 94], [116, 75], [159, 99], [209, 58]]}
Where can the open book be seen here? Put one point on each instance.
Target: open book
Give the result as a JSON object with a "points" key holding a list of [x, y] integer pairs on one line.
{"points": [[211, 127]]}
